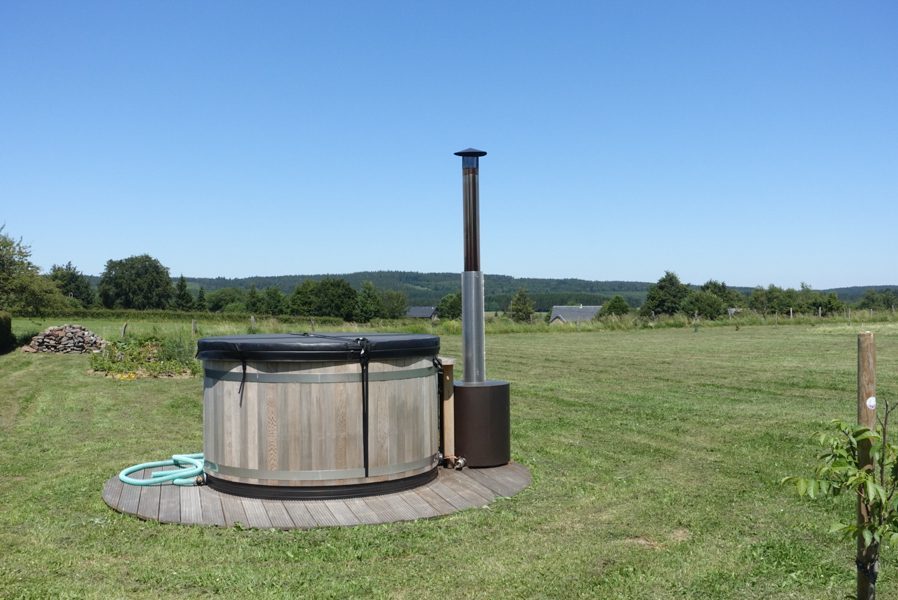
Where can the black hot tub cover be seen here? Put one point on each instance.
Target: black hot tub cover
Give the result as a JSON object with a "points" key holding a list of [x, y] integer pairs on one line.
{"points": [[317, 346]]}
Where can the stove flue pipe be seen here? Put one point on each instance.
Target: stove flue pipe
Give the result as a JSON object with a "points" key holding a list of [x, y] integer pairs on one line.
{"points": [[481, 406], [472, 280]]}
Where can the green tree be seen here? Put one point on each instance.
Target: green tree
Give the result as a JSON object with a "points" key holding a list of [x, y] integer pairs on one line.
{"points": [[73, 284], [728, 296], [368, 303], [521, 307], [183, 299], [450, 306], [22, 289], [706, 304], [139, 282], [334, 297], [759, 300], [666, 296], [774, 299], [395, 304], [616, 306], [274, 302], [253, 301], [302, 300], [227, 299], [884, 299], [201, 304], [809, 300]]}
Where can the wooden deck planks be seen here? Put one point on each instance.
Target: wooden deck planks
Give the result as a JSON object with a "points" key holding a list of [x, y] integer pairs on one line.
{"points": [[191, 506], [300, 514], [232, 507], [342, 513], [130, 499], [499, 486], [451, 496], [212, 512], [515, 474], [277, 513], [436, 501], [112, 491], [471, 489], [384, 509], [321, 513], [450, 492], [406, 511], [148, 506], [422, 508], [256, 515], [363, 511]]}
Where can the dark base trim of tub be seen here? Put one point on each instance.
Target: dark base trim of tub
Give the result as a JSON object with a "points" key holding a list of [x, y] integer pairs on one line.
{"points": [[326, 492]]}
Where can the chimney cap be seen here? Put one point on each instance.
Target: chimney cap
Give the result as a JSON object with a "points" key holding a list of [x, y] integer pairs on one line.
{"points": [[470, 152]]}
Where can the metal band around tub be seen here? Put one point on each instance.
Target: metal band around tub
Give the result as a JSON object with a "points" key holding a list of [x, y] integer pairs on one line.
{"points": [[237, 376]]}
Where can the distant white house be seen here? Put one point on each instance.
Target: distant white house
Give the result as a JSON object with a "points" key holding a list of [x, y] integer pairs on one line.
{"points": [[573, 314]]}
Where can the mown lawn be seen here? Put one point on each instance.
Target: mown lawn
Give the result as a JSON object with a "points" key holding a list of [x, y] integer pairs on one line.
{"points": [[656, 457]]}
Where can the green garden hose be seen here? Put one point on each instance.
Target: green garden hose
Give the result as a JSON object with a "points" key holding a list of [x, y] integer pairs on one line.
{"points": [[189, 471]]}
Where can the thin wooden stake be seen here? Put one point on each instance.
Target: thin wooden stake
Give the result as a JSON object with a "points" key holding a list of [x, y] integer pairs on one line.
{"points": [[867, 563], [448, 401]]}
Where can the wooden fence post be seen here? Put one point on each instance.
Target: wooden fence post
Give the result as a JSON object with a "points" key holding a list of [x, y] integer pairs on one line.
{"points": [[867, 566], [448, 400]]}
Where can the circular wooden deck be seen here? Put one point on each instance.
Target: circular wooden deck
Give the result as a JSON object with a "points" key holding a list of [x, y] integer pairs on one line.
{"points": [[450, 492]]}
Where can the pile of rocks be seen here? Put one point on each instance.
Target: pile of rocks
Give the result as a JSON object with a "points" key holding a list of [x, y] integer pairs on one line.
{"points": [[68, 339]]}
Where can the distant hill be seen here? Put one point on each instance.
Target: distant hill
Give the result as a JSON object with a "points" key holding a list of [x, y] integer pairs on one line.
{"points": [[853, 294], [426, 289]]}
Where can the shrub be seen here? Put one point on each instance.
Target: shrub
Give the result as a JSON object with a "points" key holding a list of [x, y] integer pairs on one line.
{"points": [[617, 306], [521, 307], [149, 356]]}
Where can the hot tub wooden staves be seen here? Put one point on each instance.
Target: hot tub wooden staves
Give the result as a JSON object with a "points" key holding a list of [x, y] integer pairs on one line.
{"points": [[320, 415]]}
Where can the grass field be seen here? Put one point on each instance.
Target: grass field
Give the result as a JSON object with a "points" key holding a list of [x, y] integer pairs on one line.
{"points": [[656, 457]]}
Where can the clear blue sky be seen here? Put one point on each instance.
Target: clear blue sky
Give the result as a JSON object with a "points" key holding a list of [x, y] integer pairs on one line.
{"points": [[751, 142]]}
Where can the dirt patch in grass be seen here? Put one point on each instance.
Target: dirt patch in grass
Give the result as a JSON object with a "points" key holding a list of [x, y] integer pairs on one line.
{"points": [[645, 543]]}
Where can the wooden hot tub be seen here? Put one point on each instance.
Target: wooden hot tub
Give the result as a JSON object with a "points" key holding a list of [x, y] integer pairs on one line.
{"points": [[319, 415]]}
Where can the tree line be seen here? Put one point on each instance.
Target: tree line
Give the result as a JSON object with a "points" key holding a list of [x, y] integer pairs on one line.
{"points": [[429, 288], [714, 299], [142, 283]]}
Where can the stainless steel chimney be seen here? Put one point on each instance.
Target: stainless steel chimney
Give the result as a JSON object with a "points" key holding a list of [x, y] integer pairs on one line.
{"points": [[482, 406], [472, 278]]}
